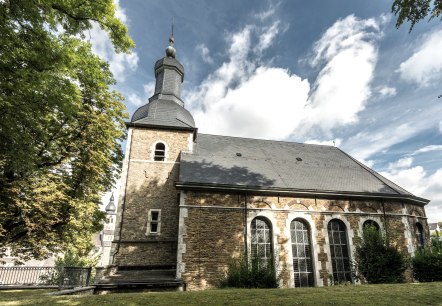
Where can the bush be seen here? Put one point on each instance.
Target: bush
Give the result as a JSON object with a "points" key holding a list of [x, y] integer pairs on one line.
{"points": [[427, 263], [254, 273], [378, 262]]}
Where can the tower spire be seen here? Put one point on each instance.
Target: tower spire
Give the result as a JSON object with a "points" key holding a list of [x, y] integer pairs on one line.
{"points": [[170, 50]]}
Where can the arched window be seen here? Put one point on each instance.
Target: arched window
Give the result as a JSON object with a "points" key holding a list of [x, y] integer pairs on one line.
{"points": [[261, 245], [337, 235], [420, 236], [371, 223], [160, 152], [302, 255]]}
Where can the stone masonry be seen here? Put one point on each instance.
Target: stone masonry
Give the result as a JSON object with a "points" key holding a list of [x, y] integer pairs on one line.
{"points": [[213, 228], [150, 185]]}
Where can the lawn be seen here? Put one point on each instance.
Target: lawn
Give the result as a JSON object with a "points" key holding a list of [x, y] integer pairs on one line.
{"points": [[397, 294]]}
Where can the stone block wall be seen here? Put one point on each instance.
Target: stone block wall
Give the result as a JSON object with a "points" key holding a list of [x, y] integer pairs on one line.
{"points": [[146, 185], [214, 227]]}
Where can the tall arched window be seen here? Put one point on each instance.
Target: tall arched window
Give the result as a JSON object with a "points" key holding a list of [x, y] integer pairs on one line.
{"points": [[337, 235], [160, 152], [302, 255], [420, 237], [261, 240], [370, 223]]}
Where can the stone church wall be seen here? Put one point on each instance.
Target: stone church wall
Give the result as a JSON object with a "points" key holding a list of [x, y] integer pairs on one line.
{"points": [[213, 231], [149, 185]]}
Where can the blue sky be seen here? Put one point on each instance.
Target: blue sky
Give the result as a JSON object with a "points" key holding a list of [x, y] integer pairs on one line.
{"points": [[306, 71]]}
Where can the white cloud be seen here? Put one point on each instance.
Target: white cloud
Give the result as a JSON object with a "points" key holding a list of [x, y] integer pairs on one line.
{"points": [[348, 51], [425, 65], [119, 63], [262, 16], [149, 89], [386, 91], [265, 106], [418, 182], [440, 127], [267, 36], [244, 97], [134, 99], [120, 13], [429, 148], [400, 164], [334, 142], [205, 53], [365, 144]]}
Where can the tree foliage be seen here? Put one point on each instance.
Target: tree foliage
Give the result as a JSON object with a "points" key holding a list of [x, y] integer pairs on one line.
{"points": [[414, 11], [376, 261], [427, 263], [60, 124]]}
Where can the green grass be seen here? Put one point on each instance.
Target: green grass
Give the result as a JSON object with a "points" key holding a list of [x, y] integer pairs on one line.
{"points": [[395, 294]]}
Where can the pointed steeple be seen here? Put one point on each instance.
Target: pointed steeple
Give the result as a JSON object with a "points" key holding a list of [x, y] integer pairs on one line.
{"points": [[165, 107], [110, 208]]}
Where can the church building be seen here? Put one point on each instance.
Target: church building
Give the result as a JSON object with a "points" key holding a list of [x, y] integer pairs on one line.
{"points": [[190, 202]]}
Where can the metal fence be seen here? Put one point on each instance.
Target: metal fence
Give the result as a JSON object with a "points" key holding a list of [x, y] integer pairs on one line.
{"points": [[61, 277]]}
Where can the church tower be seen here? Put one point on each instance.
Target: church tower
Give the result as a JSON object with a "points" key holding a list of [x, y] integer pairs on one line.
{"points": [[146, 233]]}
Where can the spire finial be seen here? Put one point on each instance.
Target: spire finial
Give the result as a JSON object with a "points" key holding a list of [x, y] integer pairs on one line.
{"points": [[170, 51]]}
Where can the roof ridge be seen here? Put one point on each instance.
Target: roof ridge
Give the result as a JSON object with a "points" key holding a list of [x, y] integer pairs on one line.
{"points": [[270, 140]]}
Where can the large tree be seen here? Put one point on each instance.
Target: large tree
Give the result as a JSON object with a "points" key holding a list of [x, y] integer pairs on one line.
{"points": [[60, 123], [414, 11]]}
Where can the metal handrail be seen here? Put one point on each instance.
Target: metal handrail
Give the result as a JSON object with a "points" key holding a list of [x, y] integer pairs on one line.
{"points": [[62, 277]]}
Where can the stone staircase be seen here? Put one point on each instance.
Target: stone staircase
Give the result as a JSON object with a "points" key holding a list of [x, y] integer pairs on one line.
{"points": [[138, 278]]}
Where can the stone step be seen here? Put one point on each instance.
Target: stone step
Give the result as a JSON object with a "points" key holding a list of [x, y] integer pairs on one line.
{"points": [[141, 275]]}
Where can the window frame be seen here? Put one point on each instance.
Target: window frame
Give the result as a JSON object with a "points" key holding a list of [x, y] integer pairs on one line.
{"points": [[254, 242], [151, 222], [420, 235], [345, 274], [163, 151], [306, 247]]}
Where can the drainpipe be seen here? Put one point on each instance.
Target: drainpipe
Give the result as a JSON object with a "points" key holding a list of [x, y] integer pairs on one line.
{"points": [[245, 224], [385, 221]]}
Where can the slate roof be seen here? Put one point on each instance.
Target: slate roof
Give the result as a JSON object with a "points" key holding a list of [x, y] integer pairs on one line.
{"points": [[163, 113], [169, 61], [265, 164]]}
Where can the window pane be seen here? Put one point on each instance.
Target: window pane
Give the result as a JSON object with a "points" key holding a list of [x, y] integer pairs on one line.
{"points": [[160, 152], [301, 252], [420, 238], [337, 234], [261, 240], [155, 215], [154, 227]]}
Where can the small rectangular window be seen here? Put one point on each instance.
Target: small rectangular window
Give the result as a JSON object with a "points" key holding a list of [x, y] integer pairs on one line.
{"points": [[154, 222]]}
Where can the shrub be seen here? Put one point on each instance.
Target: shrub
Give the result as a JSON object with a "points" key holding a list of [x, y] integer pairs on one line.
{"points": [[253, 273], [377, 261], [427, 263]]}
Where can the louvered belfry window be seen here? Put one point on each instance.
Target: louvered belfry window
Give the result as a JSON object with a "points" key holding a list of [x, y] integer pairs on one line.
{"points": [[339, 254], [160, 152], [261, 244], [302, 255]]}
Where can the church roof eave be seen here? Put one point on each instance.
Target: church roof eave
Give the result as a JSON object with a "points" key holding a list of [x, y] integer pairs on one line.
{"points": [[191, 186], [194, 130]]}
